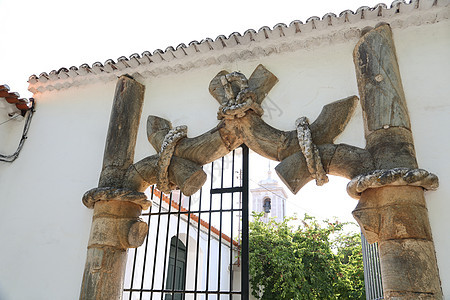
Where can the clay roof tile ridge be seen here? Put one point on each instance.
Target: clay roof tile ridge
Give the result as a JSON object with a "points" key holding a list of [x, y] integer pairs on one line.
{"points": [[47, 81]]}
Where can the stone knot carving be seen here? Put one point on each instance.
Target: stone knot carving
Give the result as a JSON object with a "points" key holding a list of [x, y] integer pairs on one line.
{"points": [[392, 177], [167, 149], [115, 194], [173, 136], [235, 106], [310, 151]]}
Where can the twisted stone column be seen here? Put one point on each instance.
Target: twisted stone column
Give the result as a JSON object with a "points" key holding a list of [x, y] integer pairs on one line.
{"points": [[392, 209]]}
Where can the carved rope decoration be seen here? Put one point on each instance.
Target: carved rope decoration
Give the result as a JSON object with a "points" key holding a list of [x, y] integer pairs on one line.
{"points": [[310, 151], [394, 177], [191, 153], [115, 194], [235, 107], [167, 148]]}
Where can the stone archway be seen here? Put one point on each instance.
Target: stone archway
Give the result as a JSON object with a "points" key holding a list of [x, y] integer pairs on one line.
{"points": [[384, 176]]}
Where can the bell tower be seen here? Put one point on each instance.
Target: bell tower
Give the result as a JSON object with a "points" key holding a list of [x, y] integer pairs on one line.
{"points": [[270, 198]]}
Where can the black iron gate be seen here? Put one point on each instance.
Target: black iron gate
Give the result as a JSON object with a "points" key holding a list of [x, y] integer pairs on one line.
{"points": [[196, 248]]}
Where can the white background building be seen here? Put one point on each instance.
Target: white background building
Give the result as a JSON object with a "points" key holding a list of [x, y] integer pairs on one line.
{"points": [[269, 197]]}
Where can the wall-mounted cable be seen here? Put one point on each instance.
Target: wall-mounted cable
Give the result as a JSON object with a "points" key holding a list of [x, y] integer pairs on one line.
{"points": [[29, 116]]}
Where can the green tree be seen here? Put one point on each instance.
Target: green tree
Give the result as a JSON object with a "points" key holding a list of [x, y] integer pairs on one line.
{"points": [[307, 262], [349, 251]]}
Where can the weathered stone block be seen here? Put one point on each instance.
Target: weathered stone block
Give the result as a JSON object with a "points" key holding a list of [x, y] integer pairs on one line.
{"points": [[409, 266]]}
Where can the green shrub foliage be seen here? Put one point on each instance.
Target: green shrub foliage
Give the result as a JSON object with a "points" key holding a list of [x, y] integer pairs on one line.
{"points": [[312, 261]]}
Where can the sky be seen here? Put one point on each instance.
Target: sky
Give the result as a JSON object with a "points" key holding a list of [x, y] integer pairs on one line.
{"points": [[40, 36], [329, 201], [43, 35]]}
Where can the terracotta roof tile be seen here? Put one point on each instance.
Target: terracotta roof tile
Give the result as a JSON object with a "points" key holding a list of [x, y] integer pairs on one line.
{"points": [[252, 43], [22, 104]]}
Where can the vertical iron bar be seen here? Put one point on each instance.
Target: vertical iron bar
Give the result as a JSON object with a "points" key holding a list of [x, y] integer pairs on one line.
{"points": [[156, 246], [372, 272], [365, 266], [145, 250], [231, 234], [187, 242], [167, 242], [245, 233], [176, 247], [209, 232], [366, 282], [378, 272], [145, 254], [243, 222], [132, 271], [373, 269], [198, 243], [219, 269]]}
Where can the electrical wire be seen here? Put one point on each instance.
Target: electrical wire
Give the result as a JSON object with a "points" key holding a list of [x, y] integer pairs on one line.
{"points": [[13, 157], [9, 120]]}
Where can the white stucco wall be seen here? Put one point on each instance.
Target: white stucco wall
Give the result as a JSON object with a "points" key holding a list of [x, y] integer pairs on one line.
{"points": [[44, 227], [424, 66]]}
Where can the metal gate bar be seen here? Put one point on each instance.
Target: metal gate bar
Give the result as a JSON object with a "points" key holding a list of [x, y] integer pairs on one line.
{"points": [[170, 218], [372, 270], [244, 190], [245, 232]]}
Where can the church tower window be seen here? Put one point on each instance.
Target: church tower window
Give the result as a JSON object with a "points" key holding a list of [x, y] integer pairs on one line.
{"points": [[267, 205]]}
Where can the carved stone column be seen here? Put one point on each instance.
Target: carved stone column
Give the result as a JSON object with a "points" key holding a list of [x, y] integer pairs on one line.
{"points": [[115, 225], [392, 209]]}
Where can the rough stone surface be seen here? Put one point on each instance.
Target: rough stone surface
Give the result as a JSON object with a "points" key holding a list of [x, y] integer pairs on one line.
{"points": [[340, 160], [409, 267], [112, 223], [310, 151], [114, 194], [115, 228], [250, 129], [104, 274], [165, 156], [115, 225], [260, 82], [392, 177], [394, 216], [393, 212], [122, 131], [379, 82], [392, 148]]}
